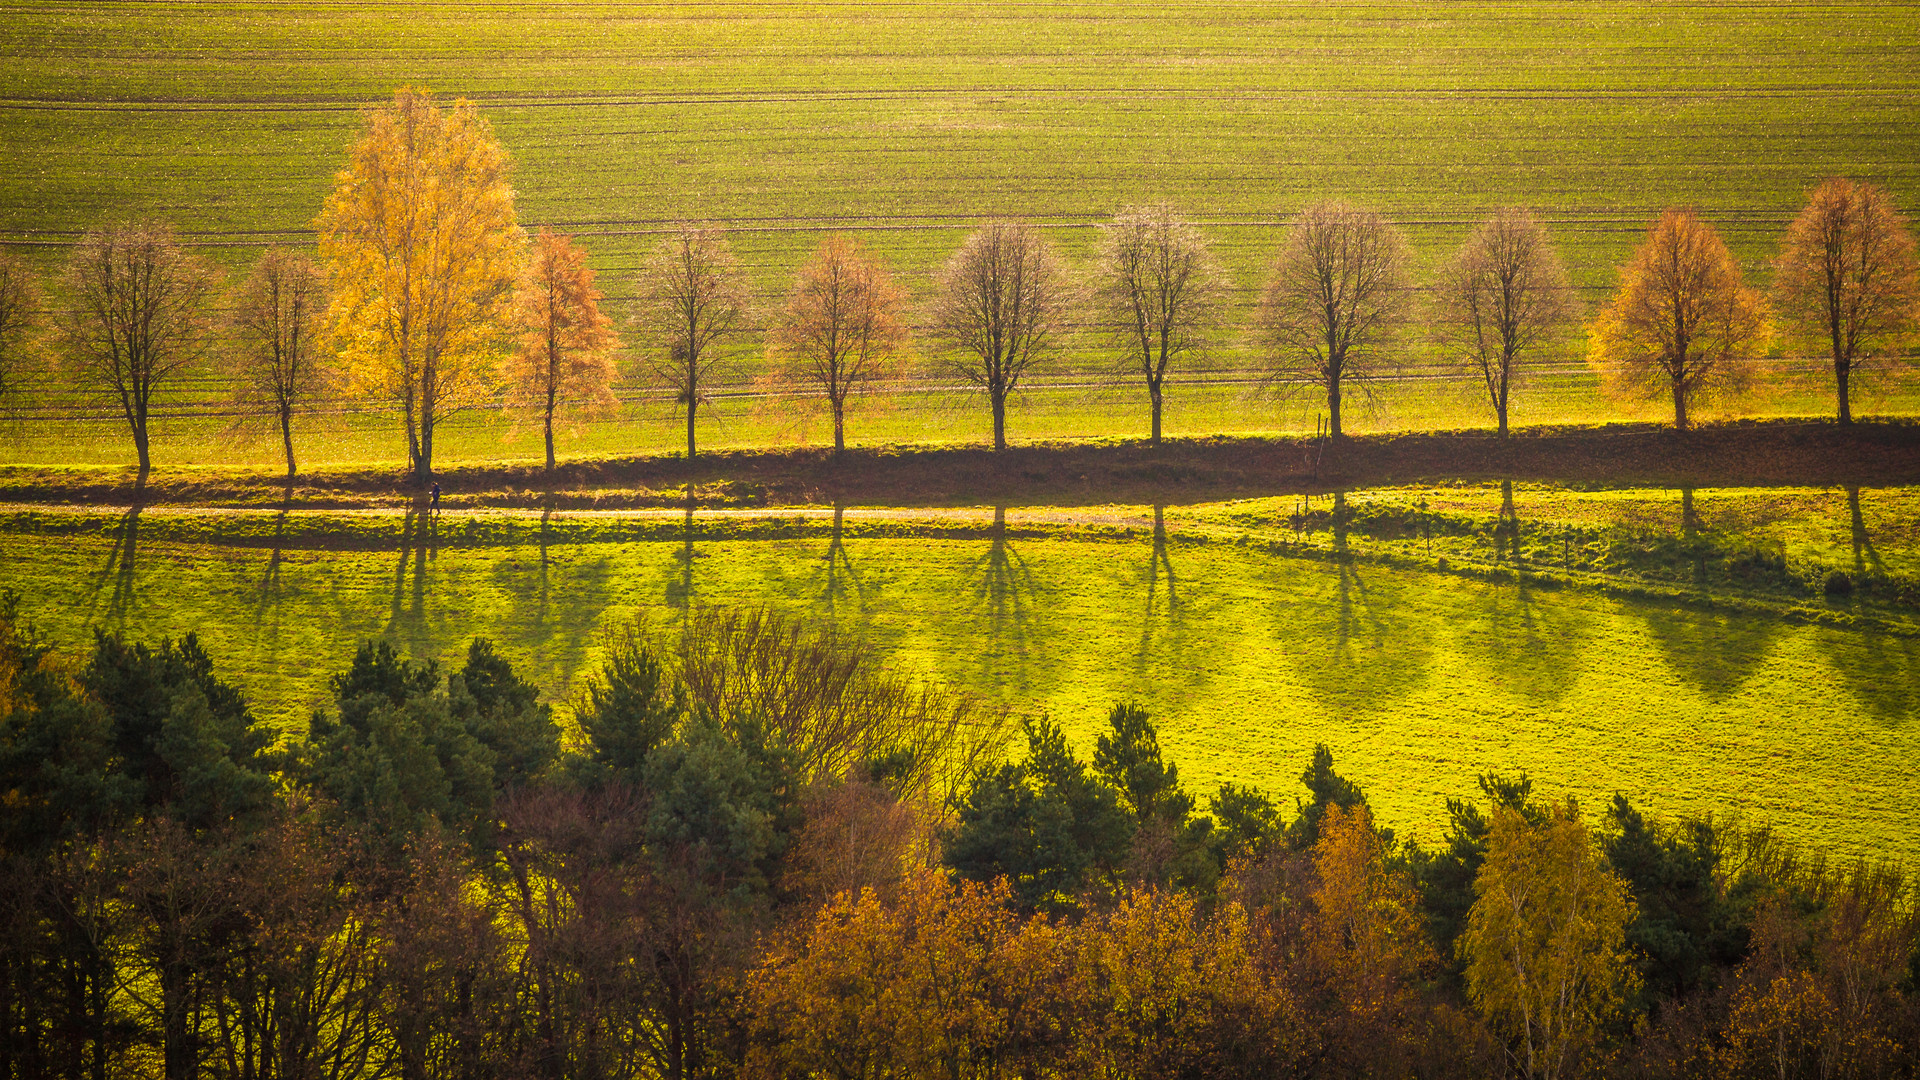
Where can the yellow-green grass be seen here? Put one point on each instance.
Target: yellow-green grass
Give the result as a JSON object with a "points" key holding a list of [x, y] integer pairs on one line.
{"points": [[1419, 679], [909, 122]]}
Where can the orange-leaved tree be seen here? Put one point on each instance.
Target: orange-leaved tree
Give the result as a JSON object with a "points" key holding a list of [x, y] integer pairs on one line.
{"points": [[1685, 325], [841, 331], [420, 237], [1848, 279], [566, 343], [1366, 940]]}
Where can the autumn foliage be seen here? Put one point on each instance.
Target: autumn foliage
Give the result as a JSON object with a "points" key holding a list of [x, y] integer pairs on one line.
{"points": [[1685, 326], [565, 360]]}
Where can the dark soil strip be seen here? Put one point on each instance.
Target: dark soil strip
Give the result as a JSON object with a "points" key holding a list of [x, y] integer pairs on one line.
{"points": [[1060, 474]]}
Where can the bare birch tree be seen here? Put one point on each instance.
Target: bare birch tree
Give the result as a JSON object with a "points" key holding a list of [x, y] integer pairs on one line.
{"points": [[692, 300], [1847, 279], [277, 322], [1335, 299], [138, 318], [1001, 311], [1160, 295], [1501, 302], [841, 331]]}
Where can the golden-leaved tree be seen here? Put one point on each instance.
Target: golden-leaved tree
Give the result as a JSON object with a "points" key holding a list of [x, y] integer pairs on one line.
{"points": [[1545, 944], [566, 343], [1685, 323], [420, 237]]}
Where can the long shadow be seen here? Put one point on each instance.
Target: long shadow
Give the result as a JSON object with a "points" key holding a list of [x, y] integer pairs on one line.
{"points": [[118, 576], [1524, 643], [558, 597], [1864, 555], [1362, 646], [680, 594], [1004, 592], [270, 577], [407, 621], [1690, 529], [1506, 533], [1715, 651], [841, 583]]}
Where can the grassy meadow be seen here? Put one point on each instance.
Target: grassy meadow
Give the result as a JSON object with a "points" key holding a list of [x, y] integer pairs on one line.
{"points": [[1249, 641], [907, 123]]}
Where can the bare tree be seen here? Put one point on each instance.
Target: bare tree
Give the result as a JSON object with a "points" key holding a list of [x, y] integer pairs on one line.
{"points": [[692, 298], [1002, 309], [1335, 298], [1160, 294], [138, 317], [19, 314], [1847, 278], [1502, 300], [842, 328], [1684, 325], [277, 324]]}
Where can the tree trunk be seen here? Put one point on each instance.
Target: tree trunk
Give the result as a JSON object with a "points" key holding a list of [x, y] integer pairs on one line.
{"points": [[1333, 408], [839, 426], [549, 439], [1840, 374], [286, 437], [1500, 406], [1153, 393], [691, 406], [140, 445], [999, 421], [176, 1038], [1679, 406]]}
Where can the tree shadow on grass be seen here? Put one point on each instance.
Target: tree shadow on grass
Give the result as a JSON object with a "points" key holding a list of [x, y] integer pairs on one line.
{"points": [[1524, 640], [843, 591], [1356, 637], [117, 581], [1881, 670], [1713, 651], [407, 621], [1006, 609], [558, 600]]}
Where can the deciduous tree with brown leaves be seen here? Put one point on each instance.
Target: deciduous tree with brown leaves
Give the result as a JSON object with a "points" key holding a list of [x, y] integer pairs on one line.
{"points": [[1685, 325], [1848, 279], [420, 237], [277, 325], [566, 343], [1160, 294], [138, 318], [692, 300], [841, 331], [1002, 311], [1502, 301]]}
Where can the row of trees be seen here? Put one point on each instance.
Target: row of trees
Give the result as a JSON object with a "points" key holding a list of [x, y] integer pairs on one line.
{"points": [[428, 281], [760, 855]]}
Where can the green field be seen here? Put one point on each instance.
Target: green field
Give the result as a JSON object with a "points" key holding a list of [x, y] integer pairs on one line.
{"points": [[1249, 643], [908, 122]]}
